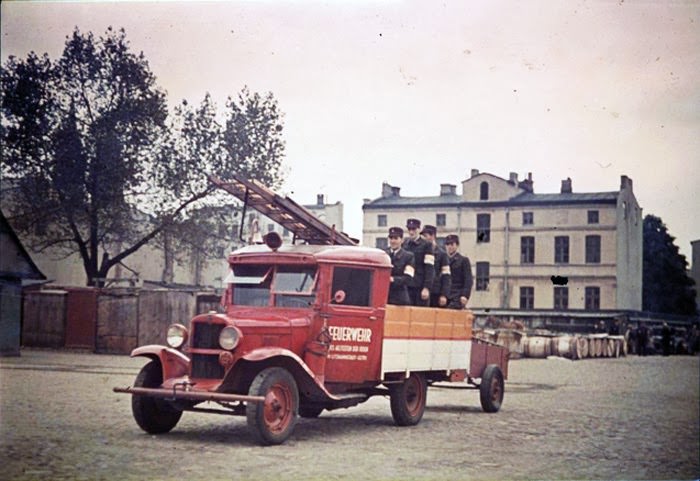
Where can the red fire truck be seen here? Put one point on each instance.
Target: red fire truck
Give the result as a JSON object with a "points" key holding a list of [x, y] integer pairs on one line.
{"points": [[306, 328]]}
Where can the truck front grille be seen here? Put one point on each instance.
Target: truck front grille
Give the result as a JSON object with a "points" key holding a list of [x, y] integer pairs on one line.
{"points": [[206, 336], [206, 366]]}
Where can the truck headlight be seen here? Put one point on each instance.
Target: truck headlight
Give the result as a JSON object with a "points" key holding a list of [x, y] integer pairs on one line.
{"points": [[229, 337], [177, 336]]}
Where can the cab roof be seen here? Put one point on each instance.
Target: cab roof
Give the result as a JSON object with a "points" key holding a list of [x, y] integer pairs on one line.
{"points": [[313, 254]]}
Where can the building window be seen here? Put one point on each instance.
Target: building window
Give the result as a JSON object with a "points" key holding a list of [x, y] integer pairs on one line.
{"points": [[561, 298], [381, 243], [483, 227], [593, 249], [592, 298], [285, 233], [482, 276], [381, 220], [527, 298], [593, 217], [270, 227], [527, 250], [484, 191], [440, 220], [561, 249], [528, 218]]}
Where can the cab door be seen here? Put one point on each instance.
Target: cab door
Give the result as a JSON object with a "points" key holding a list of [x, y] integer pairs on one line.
{"points": [[354, 321]]}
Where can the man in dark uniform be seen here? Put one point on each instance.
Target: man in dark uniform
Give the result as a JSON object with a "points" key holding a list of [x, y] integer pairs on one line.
{"points": [[441, 283], [461, 271], [402, 270], [424, 262]]}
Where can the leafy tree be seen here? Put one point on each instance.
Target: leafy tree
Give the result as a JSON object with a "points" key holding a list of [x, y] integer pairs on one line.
{"points": [[96, 164], [666, 286]]}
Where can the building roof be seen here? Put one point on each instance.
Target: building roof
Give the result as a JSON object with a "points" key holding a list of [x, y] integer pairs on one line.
{"points": [[15, 261], [524, 199]]}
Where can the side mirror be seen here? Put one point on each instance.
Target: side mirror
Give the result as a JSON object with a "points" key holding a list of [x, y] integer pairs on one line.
{"points": [[339, 296]]}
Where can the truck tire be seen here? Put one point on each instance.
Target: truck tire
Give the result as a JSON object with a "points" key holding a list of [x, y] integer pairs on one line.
{"points": [[491, 389], [272, 421], [153, 415], [408, 400]]}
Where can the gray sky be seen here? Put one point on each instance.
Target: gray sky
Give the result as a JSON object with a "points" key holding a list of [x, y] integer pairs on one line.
{"points": [[418, 93]]}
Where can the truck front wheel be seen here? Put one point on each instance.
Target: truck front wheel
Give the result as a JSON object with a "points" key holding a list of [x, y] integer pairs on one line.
{"points": [[153, 415], [408, 400], [491, 389], [272, 421]]}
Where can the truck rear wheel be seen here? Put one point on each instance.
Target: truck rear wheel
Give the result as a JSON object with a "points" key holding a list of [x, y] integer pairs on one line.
{"points": [[272, 421], [408, 400], [491, 389], [153, 415]]}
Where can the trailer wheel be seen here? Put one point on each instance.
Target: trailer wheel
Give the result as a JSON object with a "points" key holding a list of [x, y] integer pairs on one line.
{"points": [[272, 421], [408, 400], [491, 389], [153, 415]]}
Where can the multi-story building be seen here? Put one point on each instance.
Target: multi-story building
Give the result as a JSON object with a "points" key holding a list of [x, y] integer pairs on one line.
{"points": [[553, 253]]}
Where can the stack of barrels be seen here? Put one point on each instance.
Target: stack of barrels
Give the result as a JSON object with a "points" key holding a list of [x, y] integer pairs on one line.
{"points": [[574, 346]]}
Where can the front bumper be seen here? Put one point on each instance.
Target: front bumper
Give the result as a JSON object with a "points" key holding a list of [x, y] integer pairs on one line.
{"points": [[181, 394]]}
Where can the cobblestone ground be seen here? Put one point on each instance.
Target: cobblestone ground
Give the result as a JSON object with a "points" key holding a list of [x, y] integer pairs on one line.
{"points": [[628, 418]]}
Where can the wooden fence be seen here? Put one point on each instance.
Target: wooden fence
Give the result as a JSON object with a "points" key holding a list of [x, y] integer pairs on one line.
{"points": [[123, 318]]}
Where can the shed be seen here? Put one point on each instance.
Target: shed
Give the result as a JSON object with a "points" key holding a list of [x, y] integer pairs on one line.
{"points": [[15, 266]]}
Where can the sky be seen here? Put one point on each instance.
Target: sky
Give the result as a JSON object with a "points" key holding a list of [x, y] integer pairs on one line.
{"points": [[417, 94]]}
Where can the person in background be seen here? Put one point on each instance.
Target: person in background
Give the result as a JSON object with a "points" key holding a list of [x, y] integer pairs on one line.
{"points": [[461, 271], [642, 339], [441, 283], [666, 339], [424, 259], [402, 268]]}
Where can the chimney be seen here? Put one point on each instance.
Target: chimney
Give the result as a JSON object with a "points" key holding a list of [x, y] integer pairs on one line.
{"points": [[475, 172], [390, 190], [448, 189], [527, 183], [566, 186], [514, 178], [625, 183], [319, 200]]}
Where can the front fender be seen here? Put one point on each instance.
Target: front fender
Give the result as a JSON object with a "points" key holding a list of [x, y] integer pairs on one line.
{"points": [[310, 384], [173, 362]]}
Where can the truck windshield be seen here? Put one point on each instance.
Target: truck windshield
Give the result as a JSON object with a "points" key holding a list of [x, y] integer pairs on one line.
{"points": [[256, 284], [251, 284]]}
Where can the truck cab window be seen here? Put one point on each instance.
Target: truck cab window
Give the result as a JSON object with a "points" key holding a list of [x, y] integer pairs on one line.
{"points": [[356, 283], [293, 286]]}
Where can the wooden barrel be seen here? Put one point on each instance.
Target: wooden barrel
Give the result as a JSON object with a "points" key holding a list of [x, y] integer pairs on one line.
{"points": [[563, 346], [620, 345], [608, 348], [536, 347], [595, 346], [581, 350]]}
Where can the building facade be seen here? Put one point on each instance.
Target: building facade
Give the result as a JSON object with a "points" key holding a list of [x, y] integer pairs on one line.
{"points": [[561, 252], [167, 265]]}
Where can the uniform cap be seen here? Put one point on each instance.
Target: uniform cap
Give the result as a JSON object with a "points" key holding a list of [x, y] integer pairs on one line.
{"points": [[413, 224], [452, 239], [429, 229], [395, 232]]}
